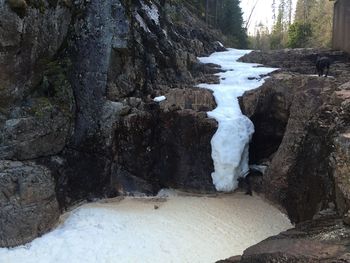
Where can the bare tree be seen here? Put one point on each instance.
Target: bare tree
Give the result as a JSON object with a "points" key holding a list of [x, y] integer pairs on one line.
{"points": [[250, 15]]}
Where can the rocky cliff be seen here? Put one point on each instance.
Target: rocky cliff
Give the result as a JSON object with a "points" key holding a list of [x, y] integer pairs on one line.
{"points": [[302, 124], [77, 116]]}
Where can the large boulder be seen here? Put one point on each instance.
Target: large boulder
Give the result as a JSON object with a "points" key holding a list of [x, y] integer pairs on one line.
{"points": [[325, 241], [168, 146], [28, 204], [291, 138]]}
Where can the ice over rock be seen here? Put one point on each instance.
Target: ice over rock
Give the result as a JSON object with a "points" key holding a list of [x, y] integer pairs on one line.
{"points": [[230, 144]]}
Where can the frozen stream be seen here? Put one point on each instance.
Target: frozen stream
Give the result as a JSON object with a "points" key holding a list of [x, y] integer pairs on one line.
{"points": [[231, 141], [174, 229]]}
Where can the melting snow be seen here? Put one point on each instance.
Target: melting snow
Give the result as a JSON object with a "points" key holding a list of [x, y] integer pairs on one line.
{"points": [[159, 99], [231, 141], [152, 11], [173, 229], [141, 22]]}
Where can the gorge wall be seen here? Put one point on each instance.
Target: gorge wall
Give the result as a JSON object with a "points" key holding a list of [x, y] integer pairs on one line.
{"points": [[78, 120], [77, 116], [302, 124]]}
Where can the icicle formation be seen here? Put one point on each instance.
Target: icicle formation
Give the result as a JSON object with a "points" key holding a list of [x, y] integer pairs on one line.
{"points": [[231, 141]]}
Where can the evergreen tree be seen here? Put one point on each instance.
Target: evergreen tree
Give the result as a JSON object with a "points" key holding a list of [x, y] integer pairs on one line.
{"points": [[231, 23], [225, 15], [316, 15]]}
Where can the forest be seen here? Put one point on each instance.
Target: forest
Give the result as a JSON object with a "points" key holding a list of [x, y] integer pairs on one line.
{"points": [[224, 15], [307, 25]]}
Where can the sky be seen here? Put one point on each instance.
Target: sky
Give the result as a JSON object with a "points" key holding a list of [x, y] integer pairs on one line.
{"points": [[262, 12]]}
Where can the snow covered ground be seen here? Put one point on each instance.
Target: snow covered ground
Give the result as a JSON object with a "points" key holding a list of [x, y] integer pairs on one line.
{"points": [[174, 229], [231, 141]]}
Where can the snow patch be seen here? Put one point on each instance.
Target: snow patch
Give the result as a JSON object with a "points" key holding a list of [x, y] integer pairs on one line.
{"points": [[220, 44], [159, 99], [142, 22], [179, 229], [151, 11], [231, 141]]}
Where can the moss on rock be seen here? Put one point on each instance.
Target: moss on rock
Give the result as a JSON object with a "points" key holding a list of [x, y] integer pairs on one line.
{"points": [[54, 90]]}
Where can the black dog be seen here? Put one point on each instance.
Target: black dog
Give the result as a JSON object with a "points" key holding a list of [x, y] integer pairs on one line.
{"points": [[323, 63]]}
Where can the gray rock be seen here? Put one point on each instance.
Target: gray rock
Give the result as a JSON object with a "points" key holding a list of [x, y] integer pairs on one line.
{"points": [[324, 240], [33, 137], [296, 118], [28, 205], [28, 42]]}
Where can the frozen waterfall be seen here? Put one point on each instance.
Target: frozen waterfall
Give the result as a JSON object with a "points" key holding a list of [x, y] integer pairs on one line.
{"points": [[231, 141]]}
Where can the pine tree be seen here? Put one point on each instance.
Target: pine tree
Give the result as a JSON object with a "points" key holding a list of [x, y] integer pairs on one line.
{"points": [[231, 23]]}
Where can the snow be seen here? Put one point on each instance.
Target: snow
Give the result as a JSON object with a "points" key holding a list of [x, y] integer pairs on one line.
{"points": [[231, 141], [174, 229], [159, 99], [152, 11], [142, 23]]}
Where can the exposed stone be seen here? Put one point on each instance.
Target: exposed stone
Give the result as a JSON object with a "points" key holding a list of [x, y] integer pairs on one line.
{"points": [[296, 118], [325, 241], [33, 137], [28, 205], [170, 146], [190, 99], [346, 218], [302, 60], [26, 44], [76, 89]]}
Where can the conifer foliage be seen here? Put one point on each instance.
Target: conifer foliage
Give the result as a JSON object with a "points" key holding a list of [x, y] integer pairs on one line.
{"points": [[309, 25], [225, 15]]}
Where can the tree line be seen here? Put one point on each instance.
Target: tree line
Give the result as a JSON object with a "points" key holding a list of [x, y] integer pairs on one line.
{"points": [[311, 26], [224, 15]]}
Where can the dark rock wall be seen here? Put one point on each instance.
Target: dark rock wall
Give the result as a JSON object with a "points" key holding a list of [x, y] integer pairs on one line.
{"points": [[35, 115], [28, 204], [77, 82], [317, 241], [300, 123]]}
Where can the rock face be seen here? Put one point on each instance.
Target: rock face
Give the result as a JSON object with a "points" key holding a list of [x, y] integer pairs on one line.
{"points": [[36, 101], [289, 133], [28, 204], [300, 60], [301, 124], [300, 121], [325, 241], [171, 150], [77, 116]]}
